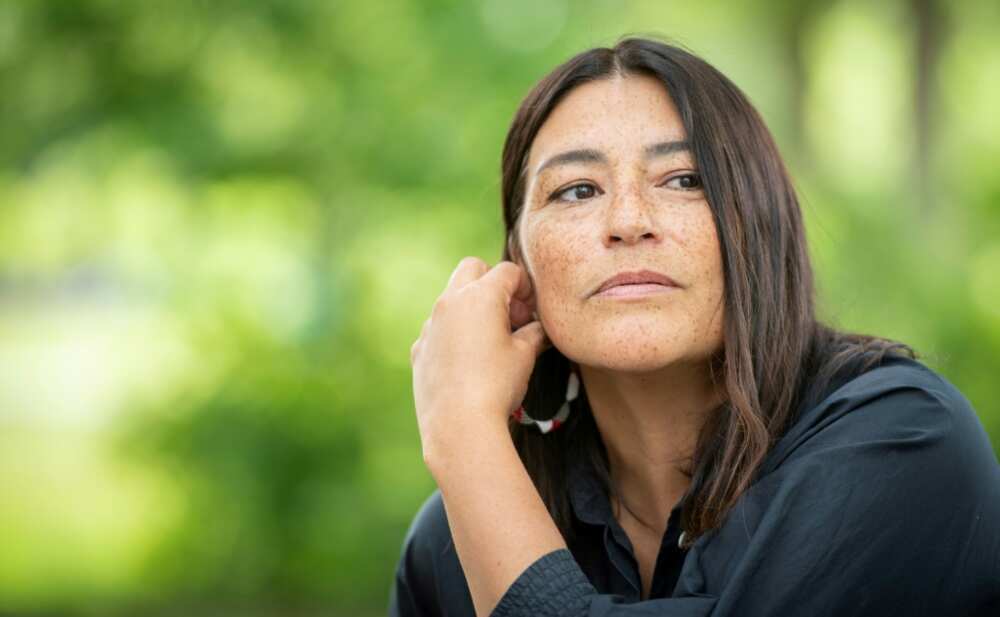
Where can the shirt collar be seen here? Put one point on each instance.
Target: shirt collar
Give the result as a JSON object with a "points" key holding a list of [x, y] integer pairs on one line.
{"points": [[588, 497]]}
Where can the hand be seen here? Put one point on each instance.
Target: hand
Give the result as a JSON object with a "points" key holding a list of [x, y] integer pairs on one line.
{"points": [[475, 353]]}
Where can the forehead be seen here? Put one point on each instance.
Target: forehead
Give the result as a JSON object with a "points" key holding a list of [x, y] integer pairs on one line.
{"points": [[612, 114]]}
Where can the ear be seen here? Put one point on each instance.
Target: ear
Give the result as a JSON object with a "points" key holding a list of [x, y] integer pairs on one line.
{"points": [[521, 311], [514, 250]]}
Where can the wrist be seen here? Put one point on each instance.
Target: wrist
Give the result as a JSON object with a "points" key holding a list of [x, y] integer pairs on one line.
{"points": [[458, 447]]}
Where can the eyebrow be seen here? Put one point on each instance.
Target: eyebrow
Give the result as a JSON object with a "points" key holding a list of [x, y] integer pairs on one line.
{"points": [[589, 155]]}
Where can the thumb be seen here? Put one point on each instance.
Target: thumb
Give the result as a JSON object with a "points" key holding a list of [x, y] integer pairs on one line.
{"points": [[533, 336]]}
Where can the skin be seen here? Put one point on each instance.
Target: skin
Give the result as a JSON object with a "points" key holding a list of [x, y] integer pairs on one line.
{"points": [[643, 361]]}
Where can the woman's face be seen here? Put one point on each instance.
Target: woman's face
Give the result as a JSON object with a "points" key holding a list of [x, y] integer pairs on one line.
{"points": [[617, 208]]}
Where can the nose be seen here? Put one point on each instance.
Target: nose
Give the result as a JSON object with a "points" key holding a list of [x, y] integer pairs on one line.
{"points": [[629, 220]]}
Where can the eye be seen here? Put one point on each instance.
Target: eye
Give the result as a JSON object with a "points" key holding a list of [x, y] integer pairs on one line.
{"points": [[685, 182], [582, 191]]}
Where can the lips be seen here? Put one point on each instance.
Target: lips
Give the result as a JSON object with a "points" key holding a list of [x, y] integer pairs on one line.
{"points": [[637, 278]]}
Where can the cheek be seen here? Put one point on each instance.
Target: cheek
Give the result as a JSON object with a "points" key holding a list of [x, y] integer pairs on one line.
{"points": [[709, 259], [557, 255], [708, 255]]}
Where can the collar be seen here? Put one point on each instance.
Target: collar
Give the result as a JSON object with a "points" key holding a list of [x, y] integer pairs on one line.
{"points": [[589, 499]]}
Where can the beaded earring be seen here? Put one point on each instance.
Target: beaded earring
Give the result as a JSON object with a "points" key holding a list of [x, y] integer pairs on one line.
{"points": [[572, 389]]}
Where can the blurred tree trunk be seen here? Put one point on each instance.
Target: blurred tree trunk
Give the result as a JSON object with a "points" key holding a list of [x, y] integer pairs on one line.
{"points": [[929, 19], [796, 17]]}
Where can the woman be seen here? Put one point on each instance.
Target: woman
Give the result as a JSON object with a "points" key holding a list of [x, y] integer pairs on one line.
{"points": [[692, 441]]}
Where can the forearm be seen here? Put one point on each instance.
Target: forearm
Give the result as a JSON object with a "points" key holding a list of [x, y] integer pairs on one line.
{"points": [[498, 521]]}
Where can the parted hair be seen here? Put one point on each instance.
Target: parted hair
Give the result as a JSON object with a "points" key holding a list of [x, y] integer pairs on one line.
{"points": [[776, 356]]}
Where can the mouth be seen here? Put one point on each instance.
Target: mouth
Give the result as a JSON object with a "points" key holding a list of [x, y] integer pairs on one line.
{"points": [[632, 284], [631, 291]]}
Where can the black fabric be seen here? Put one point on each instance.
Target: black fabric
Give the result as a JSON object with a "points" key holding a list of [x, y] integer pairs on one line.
{"points": [[881, 499]]}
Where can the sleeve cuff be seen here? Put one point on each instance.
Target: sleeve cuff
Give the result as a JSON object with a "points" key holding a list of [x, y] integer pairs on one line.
{"points": [[554, 585]]}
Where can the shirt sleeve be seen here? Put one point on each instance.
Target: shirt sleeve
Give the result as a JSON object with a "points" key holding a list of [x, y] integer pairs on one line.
{"points": [[554, 585], [886, 504], [402, 600], [414, 587], [429, 579], [408, 593]]}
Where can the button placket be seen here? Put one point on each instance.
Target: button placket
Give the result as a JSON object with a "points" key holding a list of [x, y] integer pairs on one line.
{"points": [[615, 553]]}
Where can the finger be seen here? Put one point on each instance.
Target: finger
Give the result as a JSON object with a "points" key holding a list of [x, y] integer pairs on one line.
{"points": [[520, 313], [526, 299], [468, 269], [415, 347], [526, 287], [522, 303], [512, 279], [533, 336], [423, 330]]}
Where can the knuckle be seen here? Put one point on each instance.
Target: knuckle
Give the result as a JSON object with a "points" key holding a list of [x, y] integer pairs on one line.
{"points": [[472, 260], [509, 265], [440, 305], [475, 264]]}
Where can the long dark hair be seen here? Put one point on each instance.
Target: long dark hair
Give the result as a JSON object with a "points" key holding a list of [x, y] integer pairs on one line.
{"points": [[776, 356]]}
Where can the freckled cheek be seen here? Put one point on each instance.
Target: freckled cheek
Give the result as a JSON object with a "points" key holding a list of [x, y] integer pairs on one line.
{"points": [[702, 244], [557, 254], [710, 258]]}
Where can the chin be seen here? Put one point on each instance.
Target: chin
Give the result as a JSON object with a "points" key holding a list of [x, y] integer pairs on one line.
{"points": [[635, 348], [630, 363]]}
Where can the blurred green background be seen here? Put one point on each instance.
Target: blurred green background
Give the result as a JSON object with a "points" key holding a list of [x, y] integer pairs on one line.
{"points": [[222, 225]]}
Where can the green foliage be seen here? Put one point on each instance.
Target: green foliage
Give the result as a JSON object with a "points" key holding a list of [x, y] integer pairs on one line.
{"points": [[223, 224]]}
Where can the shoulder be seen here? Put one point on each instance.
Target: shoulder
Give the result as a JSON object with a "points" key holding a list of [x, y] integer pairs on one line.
{"points": [[898, 438], [902, 404], [871, 490], [429, 575], [429, 535], [901, 375]]}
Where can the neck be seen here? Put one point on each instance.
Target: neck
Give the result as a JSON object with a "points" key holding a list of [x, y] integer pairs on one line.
{"points": [[649, 423]]}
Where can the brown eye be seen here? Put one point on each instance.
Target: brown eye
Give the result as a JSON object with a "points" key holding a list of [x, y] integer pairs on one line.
{"points": [[580, 191], [685, 182]]}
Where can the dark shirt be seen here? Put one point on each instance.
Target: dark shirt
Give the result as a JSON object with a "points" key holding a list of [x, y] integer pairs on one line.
{"points": [[881, 499]]}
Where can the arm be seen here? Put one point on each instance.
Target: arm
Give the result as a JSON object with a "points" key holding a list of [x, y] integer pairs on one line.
{"points": [[471, 365], [498, 521], [859, 501], [514, 559], [874, 514]]}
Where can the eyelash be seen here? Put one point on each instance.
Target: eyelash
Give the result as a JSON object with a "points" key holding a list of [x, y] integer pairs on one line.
{"points": [[554, 195]]}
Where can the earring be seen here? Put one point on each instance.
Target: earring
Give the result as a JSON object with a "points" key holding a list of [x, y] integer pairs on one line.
{"points": [[572, 389]]}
